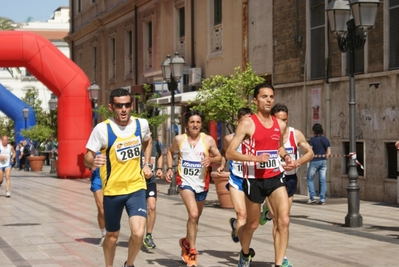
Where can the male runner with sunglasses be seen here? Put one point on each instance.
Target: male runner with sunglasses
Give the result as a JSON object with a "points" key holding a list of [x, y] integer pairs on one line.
{"points": [[121, 140]]}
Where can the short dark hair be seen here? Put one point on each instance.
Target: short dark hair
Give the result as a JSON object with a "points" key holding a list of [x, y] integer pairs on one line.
{"points": [[119, 92], [260, 86], [193, 112], [278, 108], [317, 128], [243, 111]]}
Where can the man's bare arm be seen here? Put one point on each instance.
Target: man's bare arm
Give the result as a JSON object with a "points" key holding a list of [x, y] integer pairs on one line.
{"points": [[226, 143], [215, 156], [305, 147], [169, 158], [147, 148]]}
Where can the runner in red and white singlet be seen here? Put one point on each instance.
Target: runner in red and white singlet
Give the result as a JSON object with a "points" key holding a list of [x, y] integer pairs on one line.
{"points": [[261, 137]]}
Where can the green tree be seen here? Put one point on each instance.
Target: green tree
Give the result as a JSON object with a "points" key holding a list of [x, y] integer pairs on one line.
{"points": [[220, 97], [152, 112], [39, 133], [42, 118], [7, 128], [7, 24]]}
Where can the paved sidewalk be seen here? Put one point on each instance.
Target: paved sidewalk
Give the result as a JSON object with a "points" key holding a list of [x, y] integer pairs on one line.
{"points": [[52, 222]]}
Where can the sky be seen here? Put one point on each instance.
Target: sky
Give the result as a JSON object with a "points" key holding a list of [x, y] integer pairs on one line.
{"points": [[21, 10]]}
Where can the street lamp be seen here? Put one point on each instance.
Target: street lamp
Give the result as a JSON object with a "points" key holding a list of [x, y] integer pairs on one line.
{"points": [[93, 89], [52, 103], [25, 113], [172, 71], [359, 18]]}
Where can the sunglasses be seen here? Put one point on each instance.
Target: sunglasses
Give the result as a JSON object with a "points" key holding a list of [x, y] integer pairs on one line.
{"points": [[120, 105]]}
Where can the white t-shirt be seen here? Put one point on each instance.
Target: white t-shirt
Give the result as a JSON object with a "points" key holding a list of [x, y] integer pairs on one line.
{"points": [[98, 138], [7, 152]]}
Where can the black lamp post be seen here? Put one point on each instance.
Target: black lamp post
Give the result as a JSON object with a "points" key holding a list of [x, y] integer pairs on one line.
{"points": [[93, 89], [25, 113], [52, 103], [359, 17], [172, 71]]}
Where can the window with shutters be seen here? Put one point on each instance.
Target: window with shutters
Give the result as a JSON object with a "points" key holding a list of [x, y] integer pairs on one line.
{"points": [[216, 41], [149, 46], [317, 39], [394, 34], [217, 12], [181, 31], [391, 160], [129, 52], [112, 57], [182, 28], [94, 61]]}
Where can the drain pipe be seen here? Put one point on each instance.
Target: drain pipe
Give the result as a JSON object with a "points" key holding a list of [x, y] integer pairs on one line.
{"points": [[244, 34], [192, 36], [328, 109]]}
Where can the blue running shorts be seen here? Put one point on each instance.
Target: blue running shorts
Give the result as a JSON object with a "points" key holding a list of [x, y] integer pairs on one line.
{"points": [[135, 204], [95, 179], [198, 196]]}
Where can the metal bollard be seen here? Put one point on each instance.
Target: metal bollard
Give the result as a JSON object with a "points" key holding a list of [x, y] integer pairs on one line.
{"points": [[52, 169]]}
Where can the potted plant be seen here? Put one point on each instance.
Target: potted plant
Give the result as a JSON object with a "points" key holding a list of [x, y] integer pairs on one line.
{"points": [[38, 133]]}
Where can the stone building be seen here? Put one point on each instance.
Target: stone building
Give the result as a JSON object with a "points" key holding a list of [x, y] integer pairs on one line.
{"points": [[123, 43]]}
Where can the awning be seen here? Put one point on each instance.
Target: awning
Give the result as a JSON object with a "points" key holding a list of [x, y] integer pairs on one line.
{"points": [[180, 99]]}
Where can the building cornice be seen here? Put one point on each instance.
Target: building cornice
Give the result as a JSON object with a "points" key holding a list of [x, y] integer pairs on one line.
{"points": [[105, 19], [338, 79]]}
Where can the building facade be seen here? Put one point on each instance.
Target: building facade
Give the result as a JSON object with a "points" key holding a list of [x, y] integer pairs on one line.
{"points": [[122, 43]]}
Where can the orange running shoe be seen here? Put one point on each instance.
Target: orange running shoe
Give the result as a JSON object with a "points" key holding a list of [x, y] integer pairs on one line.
{"points": [[185, 249], [192, 258]]}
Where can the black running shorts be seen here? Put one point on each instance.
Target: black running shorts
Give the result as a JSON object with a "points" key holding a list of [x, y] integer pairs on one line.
{"points": [[258, 189]]}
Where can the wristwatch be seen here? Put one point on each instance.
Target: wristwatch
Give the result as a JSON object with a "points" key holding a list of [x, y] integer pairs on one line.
{"points": [[149, 165]]}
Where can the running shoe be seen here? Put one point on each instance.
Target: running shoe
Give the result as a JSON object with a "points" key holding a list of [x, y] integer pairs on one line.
{"points": [[124, 265], [185, 249], [244, 262], [149, 242], [8, 194], [234, 235], [286, 263], [192, 258], [263, 215]]}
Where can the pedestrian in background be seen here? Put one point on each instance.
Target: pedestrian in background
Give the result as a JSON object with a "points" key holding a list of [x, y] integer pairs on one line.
{"points": [[322, 151], [7, 158]]}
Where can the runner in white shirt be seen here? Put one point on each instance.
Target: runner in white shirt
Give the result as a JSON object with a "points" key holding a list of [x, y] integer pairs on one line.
{"points": [[7, 157]]}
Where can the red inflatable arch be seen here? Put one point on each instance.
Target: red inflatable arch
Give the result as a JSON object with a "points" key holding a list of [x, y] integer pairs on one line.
{"points": [[67, 81]]}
